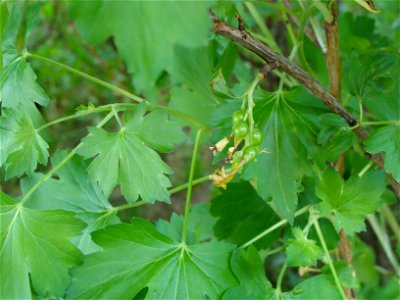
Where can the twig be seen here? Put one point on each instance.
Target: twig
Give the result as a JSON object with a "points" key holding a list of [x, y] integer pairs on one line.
{"points": [[282, 63]]}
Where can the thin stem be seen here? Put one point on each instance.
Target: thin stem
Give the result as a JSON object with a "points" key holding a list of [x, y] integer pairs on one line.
{"points": [[274, 227], [116, 116], [86, 76], [49, 174], [377, 123], [179, 114], [60, 164], [190, 186], [327, 255], [391, 220], [276, 250], [172, 191], [365, 169], [250, 105], [280, 278], [129, 205], [264, 29], [384, 241], [185, 185]]}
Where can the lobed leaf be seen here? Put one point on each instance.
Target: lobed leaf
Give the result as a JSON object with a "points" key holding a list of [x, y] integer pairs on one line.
{"points": [[126, 157], [136, 256]]}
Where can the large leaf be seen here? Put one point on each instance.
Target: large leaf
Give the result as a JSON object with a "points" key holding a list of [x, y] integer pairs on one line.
{"points": [[127, 157], [21, 145], [350, 201], [249, 270], [136, 256], [243, 215], [73, 191], [288, 120], [145, 32], [36, 248]]}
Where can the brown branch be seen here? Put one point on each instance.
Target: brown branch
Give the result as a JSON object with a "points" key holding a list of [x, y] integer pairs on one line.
{"points": [[246, 40], [335, 87]]}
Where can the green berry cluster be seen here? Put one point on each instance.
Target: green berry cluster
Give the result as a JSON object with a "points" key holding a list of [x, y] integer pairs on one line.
{"points": [[243, 132]]}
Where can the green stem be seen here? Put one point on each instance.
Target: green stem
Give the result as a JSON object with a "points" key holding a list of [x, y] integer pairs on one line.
{"points": [[273, 251], [190, 186], [86, 76], [384, 241], [172, 191], [274, 227], [179, 114], [391, 220], [185, 185], [117, 89], [264, 29], [129, 205], [377, 123], [280, 278], [60, 164], [327, 255]]}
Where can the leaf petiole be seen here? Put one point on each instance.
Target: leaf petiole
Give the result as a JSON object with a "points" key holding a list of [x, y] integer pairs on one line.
{"points": [[61, 163], [190, 186], [327, 255]]}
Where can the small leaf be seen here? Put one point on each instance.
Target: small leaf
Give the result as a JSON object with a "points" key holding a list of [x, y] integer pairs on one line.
{"points": [[301, 251], [386, 139], [368, 5], [136, 256], [22, 148], [350, 201], [127, 157]]}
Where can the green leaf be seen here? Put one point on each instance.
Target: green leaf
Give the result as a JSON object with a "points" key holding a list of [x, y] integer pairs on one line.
{"points": [[335, 136], [243, 215], [350, 201], [22, 148], [200, 225], [145, 32], [136, 256], [290, 131], [193, 70], [386, 139], [36, 248], [72, 191], [301, 251], [317, 287], [364, 262], [345, 274], [127, 157], [18, 87], [249, 270]]}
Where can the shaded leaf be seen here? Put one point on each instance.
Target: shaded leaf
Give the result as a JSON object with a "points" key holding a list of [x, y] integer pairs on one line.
{"points": [[249, 270], [243, 215], [136, 256]]}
